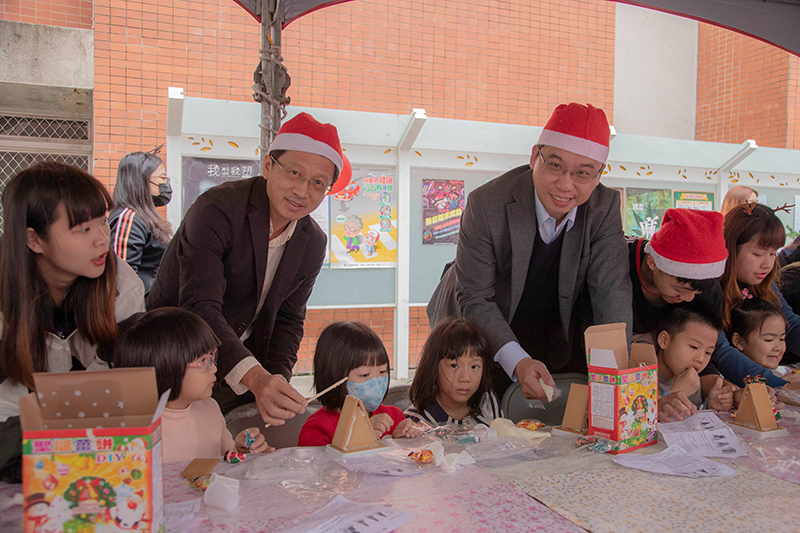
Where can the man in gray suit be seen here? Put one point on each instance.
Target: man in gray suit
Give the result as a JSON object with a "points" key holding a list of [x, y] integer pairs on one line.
{"points": [[541, 255]]}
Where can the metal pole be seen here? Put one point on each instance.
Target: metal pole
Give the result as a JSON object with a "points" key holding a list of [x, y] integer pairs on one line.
{"points": [[270, 84], [275, 82]]}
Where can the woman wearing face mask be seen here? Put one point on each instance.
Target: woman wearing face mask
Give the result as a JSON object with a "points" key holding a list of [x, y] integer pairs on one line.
{"points": [[139, 235]]}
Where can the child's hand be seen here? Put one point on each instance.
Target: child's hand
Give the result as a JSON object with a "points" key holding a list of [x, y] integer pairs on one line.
{"points": [[674, 407], [259, 446], [381, 423], [773, 397], [791, 377], [687, 382], [720, 396], [407, 429]]}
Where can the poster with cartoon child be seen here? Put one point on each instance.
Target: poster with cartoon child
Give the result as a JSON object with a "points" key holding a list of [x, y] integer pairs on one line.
{"points": [[363, 221]]}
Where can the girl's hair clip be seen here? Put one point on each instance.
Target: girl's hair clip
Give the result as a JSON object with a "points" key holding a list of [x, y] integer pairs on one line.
{"points": [[157, 149], [749, 206], [746, 294], [784, 207]]}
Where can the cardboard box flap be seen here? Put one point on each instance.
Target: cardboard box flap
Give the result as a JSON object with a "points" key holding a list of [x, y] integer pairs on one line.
{"points": [[30, 416], [608, 337], [86, 396], [134, 421], [643, 354]]}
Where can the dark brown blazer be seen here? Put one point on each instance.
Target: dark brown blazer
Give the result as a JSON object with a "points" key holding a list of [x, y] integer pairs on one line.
{"points": [[215, 267]]}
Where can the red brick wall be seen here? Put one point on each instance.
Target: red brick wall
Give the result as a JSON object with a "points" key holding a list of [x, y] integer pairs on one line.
{"points": [[470, 60], [743, 88], [793, 108], [142, 47], [380, 319], [66, 13], [494, 61]]}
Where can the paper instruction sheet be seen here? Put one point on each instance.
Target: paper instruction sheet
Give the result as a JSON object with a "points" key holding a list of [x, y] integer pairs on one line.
{"points": [[180, 516], [344, 516], [703, 434], [675, 461]]}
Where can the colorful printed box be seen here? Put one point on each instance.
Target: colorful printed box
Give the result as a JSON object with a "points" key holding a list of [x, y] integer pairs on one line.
{"points": [[623, 393], [91, 445]]}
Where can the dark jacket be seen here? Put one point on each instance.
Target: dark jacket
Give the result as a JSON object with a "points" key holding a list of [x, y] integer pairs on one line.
{"points": [[495, 246], [135, 244], [215, 267]]}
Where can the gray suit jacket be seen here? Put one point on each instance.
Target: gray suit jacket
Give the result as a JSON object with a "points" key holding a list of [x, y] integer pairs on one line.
{"points": [[495, 245]]}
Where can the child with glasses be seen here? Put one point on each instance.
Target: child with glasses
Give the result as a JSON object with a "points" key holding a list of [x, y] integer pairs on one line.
{"points": [[183, 350]]}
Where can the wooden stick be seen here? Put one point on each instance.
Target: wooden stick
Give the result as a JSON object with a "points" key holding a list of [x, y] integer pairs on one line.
{"points": [[328, 389], [320, 394]]}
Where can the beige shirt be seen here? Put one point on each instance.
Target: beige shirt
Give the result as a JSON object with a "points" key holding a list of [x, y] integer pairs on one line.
{"points": [[276, 248]]}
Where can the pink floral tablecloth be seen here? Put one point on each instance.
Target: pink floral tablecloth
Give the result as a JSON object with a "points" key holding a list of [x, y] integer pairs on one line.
{"points": [[472, 499]]}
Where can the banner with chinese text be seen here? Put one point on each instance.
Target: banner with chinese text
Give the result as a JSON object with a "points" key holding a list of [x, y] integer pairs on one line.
{"points": [[201, 173], [363, 221], [703, 201], [644, 209], [443, 201]]}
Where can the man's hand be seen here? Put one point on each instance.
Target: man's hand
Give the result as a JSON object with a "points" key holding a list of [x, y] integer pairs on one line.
{"points": [[528, 372], [674, 407], [720, 396], [276, 399], [381, 423], [687, 382]]}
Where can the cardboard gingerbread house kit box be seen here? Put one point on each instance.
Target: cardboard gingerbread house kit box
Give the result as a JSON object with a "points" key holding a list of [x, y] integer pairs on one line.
{"points": [[91, 452], [623, 393]]}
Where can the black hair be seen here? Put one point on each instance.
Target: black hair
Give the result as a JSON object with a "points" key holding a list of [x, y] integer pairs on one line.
{"points": [[341, 347], [32, 200], [676, 317], [132, 190], [789, 284], [450, 339], [168, 339], [749, 316], [701, 285]]}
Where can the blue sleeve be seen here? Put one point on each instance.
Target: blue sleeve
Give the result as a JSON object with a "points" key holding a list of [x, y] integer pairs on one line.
{"points": [[735, 365]]}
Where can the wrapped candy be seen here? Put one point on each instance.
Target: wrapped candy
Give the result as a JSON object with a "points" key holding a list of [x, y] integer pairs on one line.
{"points": [[233, 457], [422, 456], [529, 423]]}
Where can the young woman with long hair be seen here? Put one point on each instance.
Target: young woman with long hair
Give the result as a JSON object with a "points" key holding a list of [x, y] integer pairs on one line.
{"points": [[753, 235], [61, 291], [139, 235]]}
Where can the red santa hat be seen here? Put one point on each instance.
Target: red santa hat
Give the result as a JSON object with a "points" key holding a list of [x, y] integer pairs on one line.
{"points": [[690, 244], [304, 133], [580, 129]]}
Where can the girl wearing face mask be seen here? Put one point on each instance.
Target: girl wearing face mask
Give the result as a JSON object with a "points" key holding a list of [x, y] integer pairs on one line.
{"points": [[753, 235], [139, 235], [353, 350]]}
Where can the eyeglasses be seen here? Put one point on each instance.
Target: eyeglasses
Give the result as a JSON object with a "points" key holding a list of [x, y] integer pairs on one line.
{"points": [[318, 186], [208, 361], [581, 177], [161, 179]]}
